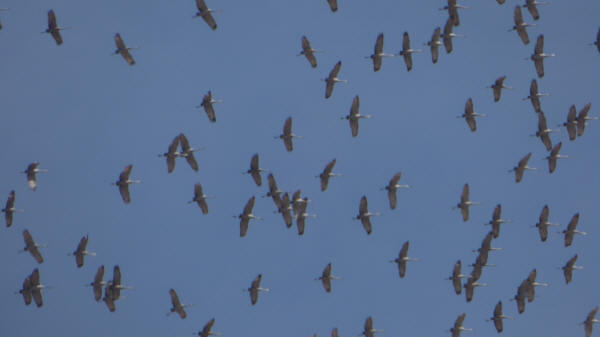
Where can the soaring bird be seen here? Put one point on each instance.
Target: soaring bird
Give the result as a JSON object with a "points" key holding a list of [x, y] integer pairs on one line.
{"points": [[188, 152], [520, 25], [452, 9], [326, 174], [582, 119], [354, 116], [288, 136], [521, 167], [246, 216], [332, 79], [403, 258], [369, 331], [470, 115], [53, 28], [308, 52], [32, 247], [531, 6], [255, 288], [98, 283], [81, 251], [538, 56], [31, 171], [569, 267], [497, 221], [178, 307], [470, 286], [392, 187], [458, 326], [205, 13], [534, 96], [124, 50], [9, 209], [364, 215], [498, 86], [554, 156], [589, 322], [200, 198], [207, 104], [124, 182], [378, 53], [456, 277], [571, 123], [465, 203], [407, 51], [572, 230], [207, 330], [255, 170], [326, 278], [172, 153], [448, 35], [543, 131], [543, 223], [435, 44], [498, 317]]}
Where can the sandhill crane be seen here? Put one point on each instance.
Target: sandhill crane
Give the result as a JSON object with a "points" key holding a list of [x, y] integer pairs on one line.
{"points": [[298, 202], [81, 251], [309, 52], [205, 13], [364, 215], [246, 216], [532, 283], [392, 187], [534, 96], [521, 167], [470, 286], [497, 221], [465, 203], [98, 283], [498, 316], [188, 152], [333, 5], [36, 288], [538, 56], [326, 174], [543, 223], [486, 244], [255, 170], [116, 283], [554, 156], [452, 9], [403, 258], [26, 290], [571, 123], [124, 182], [520, 25], [274, 191], [32, 247], [255, 288], [31, 171], [407, 51], [543, 132], [521, 296], [369, 331], [434, 44], [589, 322], [207, 330], [569, 267], [597, 42], [178, 307], [109, 298], [470, 115], [207, 104], [354, 116], [572, 230], [498, 86], [171, 154], [582, 119], [302, 215], [332, 79], [287, 136], [285, 209], [531, 5], [458, 325], [200, 198], [480, 262], [448, 35], [326, 278], [53, 28], [3, 9], [378, 53], [456, 277], [124, 50], [9, 209]]}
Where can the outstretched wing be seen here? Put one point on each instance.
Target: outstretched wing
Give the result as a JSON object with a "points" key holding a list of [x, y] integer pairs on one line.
{"points": [[123, 50], [308, 52]]}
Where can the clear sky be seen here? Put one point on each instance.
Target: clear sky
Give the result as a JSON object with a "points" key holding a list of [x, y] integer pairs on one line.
{"points": [[85, 115]]}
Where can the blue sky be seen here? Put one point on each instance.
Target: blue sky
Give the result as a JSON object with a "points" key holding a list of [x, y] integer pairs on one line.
{"points": [[85, 115]]}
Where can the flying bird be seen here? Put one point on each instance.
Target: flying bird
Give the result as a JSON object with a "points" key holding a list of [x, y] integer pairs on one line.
{"points": [[569, 267], [53, 28], [456, 277], [171, 154], [589, 322], [124, 50], [246, 216], [81, 251], [207, 104], [31, 171], [364, 215], [521, 167], [470, 286], [188, 152], [554, 156], [520, 25], [497, 221], [434, 44], [205, 13], [32, 247], [207, 330], [26, 290], [531, 6], [392, 187], [571, 123], [200, 198], [124, 182], [326, 174], [326, 278], [378, 53], [255, 288], [36, 288], [452, 9], [333, 5], [308, 52], [301, 216], [582, 119], [98, 283], [543, 131], [498, 86], [597, 42], [534, 96], [465, 203], [284, 207], [9, 209], [498, 316], [458, 326], [470, 115], [448, 35], [332, 79], [538, 56], [178, 307], [572, 230], [255, 170], [543, 223], [354, 116], [532, 283], [288, 136], [369, 331], [407, 51], [403, 258]]}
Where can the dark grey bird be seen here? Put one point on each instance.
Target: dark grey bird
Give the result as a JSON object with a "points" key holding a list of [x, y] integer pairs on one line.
{"points": [[326, 174], [364, 215], [572, 230], [434, 44], [301, 216], [285, 209], [255, 288], [81, 251], [378, 53], [206, 13], [354, 116], [456, 277], [521, 296], [534, 96], [178, 307], [124, 182], [333, 5], [543, 132], [448, 35], [531, 6], [520, 25], [308, 52], [403, 258], [498, 317], [569, 267], [117, 284], [498, 86], [452, 9], [554, 156], [32, 247], [109, 298], [521, 167], [392, 187], [31, 171], [98, 283], [298, 201], [200, 198], [470, 115], [582, 119], [124, 50], [26, 290], [255, 170], [9, 209], [497, 221], [207, 104], [532, 283], [458, 326], [543, 223], [274, 192], [172, 153], [538, 56], [246, 216], [407, 51], [332, 79], [207, 330], [326, 278], [188, 152], [465, 203], [597, 42], [53, 28], [36, 288], [369, 331], [571, 123], [589, 322], [288, 136], [470, 286]]}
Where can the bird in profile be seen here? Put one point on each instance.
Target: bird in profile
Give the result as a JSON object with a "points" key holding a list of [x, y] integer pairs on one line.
{"points": [[465, 203], [207, 104], [172, 153], [81, 251], [364, 215], [354, 116], [207, 330], [538, 56], [554, 156], [246, 216], [124, 50], [326, 174], [407, 51], [403, 258], [288, 136], [572, 230], [255, 170], [520, 25], [200, 198], [98, 283], [124, 182], [326, 278], [31, 171], [255, 288], [498, 86], [497, 221], [392, 187], [188, 152], [543, 223], [206, 13], [369, 330], [458, 326], [531, 6], [543, 132], [448, 35], [178, 307], [53, 28], [589, 322], [571, 123], [32, 247], [569, 267], [434, 44], [456, 277], [9, 209], [333, 5], [498, 317], [521, 167], [378, 53], [582, 119], [470, 115], [332, 79], [308, 52], [534, 96]]}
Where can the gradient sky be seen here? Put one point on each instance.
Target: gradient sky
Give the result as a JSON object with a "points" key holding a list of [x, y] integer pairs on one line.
{"points": [[85, 115]]}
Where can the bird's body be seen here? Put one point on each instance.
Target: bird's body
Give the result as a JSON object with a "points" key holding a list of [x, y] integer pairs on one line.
{"points": [[9, 209], [538, 56], [332, 79], [534, 96], [207, 329], [308, 52], [53, 28], [543, 131], [498, 86], [497, 221], [403, 258], [448, 35], [124, 182], [572, 230], [188, 152], [470, 115], [470, 286], [498, 317], [255, 170], [36, 288], [288, 136], [81, 251], [434, 44], [326, 278], [326, 174], [465, 203], [255, 288], [354, 116], [531, 6], [123, 49], [171, 154], [178, 307], [569, 267], [207, 104], [31, 171], [200, 198], [520, 25], [378, 53], [589, 322], [452, 9], [364, 215], [554, 156], [407, 51], [521, 167], [571, 123], [206, 13], [582, 119], [543, 223], [301, 216], [32, 247], [369, 330], [98, 283], [285, 209], [392, 188], [456, 277], [246, 216], [458, 326]]}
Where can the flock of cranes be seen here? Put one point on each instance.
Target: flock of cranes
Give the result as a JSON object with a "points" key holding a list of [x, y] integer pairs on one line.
{"points": [[295, 207]]}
